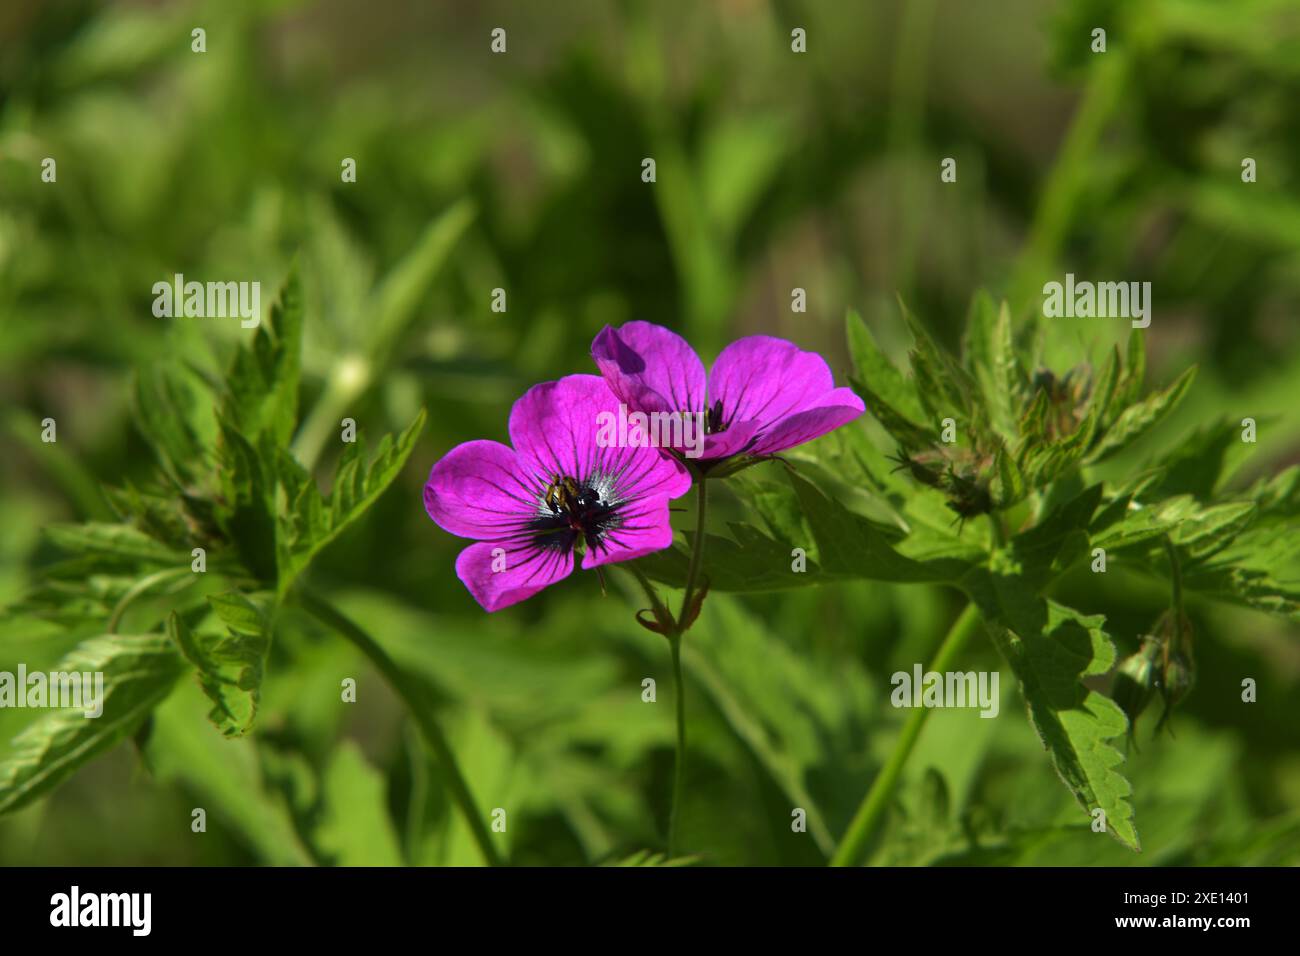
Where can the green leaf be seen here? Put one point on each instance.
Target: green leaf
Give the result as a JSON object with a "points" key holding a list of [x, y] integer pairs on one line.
{"points": [[230, 666], [942, 386], [120, 541], [1136, 420], [1253, 587], [1213, 528], [776, 503], [1051, 648], [246, 513], [905, 431], [991, 358], [1200, 464], [312, 522], [1059, 538], [850, 546], [1135, 371], [165, 405], [262, 385], [355, 828], [138, 672], [1009, 486], [752, 562], [875, 371], [1199, 530]]}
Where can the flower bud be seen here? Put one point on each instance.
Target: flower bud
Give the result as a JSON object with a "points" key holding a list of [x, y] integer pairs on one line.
{"points": [[1135, 681]]}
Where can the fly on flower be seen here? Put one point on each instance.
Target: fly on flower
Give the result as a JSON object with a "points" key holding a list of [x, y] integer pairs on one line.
{"points": [[531, 507], [762, 396]]}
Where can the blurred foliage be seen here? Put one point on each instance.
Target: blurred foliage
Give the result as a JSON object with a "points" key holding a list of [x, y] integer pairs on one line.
{"points": [[522, 171]]}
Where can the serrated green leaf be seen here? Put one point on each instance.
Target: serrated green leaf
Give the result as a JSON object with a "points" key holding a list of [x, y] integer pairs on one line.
{"points": [[874, 369], [138, 672], [261, 388], [1251, 587], [1051, 648], [1212, 529], [113, 540], [943, 387], [311, 522], [850, 546], [752, 562], [905, 431], [1009, 485], [1058, 538], [1198, 529], [230, 666], [246, 512], [1136, 420], [1200, 464], [1135, 372], [992, 361], [164, 407]]}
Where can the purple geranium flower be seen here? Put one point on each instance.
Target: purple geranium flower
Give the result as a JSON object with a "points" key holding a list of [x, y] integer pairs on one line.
{"points": [[762, 396], [529, 506]]}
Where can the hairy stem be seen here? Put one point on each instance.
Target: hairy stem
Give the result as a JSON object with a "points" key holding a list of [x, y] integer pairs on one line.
{"points": [[417, 703], [139, 588], [871, 811], [697, 549], [679, 765], [675, 642]]}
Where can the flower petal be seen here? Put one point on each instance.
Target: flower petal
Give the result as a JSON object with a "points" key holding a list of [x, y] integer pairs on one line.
{"points": [[650, 368], [481, 490], [736, 439], [643, 528], [526, 568], [555, 427], [842, 406], [765, 379]]}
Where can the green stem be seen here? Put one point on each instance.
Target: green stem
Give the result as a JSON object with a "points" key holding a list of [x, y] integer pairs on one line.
{"points": [[697, 551], [139, 588], [675, 643], [679, 765], [999, 529], [871, 811], [417, 703]]}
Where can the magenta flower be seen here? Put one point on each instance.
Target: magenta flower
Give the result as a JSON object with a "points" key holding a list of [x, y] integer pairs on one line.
{"points": [[763, 395], [528, 507]]}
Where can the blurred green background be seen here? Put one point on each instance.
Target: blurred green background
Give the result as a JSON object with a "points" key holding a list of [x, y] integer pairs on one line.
{"points": [[775, 170]]}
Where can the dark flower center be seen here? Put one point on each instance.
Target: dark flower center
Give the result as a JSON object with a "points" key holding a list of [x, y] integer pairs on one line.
{"points": [[570, 507], [713, 423]]}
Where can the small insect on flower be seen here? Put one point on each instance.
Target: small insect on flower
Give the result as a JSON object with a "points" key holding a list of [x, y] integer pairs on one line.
{"points": [[556, 493], [580, 504]]}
